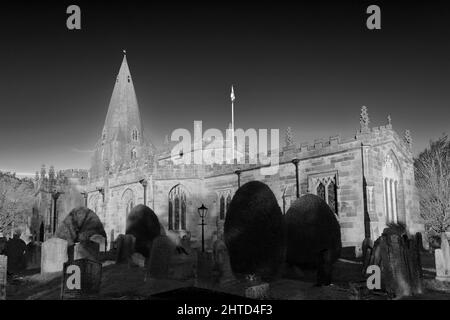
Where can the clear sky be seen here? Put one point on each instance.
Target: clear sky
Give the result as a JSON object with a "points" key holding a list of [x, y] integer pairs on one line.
{"points": [[308, 66]]}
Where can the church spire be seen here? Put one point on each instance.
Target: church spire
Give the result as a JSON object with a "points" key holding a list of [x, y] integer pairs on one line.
{"points": [[122, 138]]}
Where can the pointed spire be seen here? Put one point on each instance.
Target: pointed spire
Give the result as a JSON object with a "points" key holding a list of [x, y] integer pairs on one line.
{"points": [[389, 120], [364, 120], [232, 96]]}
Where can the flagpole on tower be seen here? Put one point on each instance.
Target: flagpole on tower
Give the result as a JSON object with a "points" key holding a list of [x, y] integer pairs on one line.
{"points": [[232, 122]]}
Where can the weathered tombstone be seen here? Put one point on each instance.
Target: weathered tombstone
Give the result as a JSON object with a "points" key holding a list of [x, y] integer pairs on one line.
{"points": [[3, 276], [81, 279], [86, 250], [257, 290], [160, 256], [442, 259], [125, 247], [54, 255], [100, 240], [33, 255], [222, 265], [399, 261], [138, 260]]}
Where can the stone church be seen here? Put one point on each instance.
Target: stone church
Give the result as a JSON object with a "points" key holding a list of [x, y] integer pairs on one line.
{"points": [[367, 179]]}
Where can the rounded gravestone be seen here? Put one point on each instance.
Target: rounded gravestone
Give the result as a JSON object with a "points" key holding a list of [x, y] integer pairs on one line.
{"points": [[254, 231], [313, 236], [144, 225], [80, 225]]}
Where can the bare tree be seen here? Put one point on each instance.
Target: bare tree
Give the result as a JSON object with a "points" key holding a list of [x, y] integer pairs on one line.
{"points": [[432, 174], [16, 199]]}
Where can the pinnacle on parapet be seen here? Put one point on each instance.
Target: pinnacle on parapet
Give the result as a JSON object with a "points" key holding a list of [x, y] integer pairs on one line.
{"points": [[289, 138], [364, 119], [408, 138]]}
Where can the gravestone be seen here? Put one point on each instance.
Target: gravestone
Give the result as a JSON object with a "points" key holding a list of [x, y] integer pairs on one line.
{"points": [[33, 255], [160, 256], [81, 279], [442, 259], [258, 291], [3, 276], [86, 250], [222, 267], [54, 255], [101, 240], [138, 259], [125, 247]]}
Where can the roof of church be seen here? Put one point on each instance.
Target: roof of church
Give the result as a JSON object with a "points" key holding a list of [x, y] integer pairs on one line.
{"points": [[123, 112]]}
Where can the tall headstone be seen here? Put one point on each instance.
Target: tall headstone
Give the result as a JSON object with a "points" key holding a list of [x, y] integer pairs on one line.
{"points": [[125, 247], [54, 255], [33, 255], [222, 267], [3, 276], [160, 256], [442, 259]]}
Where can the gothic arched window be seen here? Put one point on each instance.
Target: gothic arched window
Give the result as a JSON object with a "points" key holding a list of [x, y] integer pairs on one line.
{"points": [[332, 196], [391, 175], [228, 202], [177, 209], [222, 208], [325, 186], [321, 191]]}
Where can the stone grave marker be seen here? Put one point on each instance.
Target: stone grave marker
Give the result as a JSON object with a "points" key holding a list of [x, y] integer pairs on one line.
{"points": [[33, 255], [222, 265], [81, 279], [258, 291], [442, 259], [54, 255], [160, 256], [3, 276], [100, 240], [125, 247], [86, 250]]}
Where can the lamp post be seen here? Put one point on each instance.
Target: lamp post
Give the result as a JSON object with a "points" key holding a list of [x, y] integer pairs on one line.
{"points": [[295, 162], [144, 183], [55, 196], [85, 196], [238, 172], [202, 211]]}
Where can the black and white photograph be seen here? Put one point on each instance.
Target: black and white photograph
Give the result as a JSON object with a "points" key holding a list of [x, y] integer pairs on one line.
{"points": [[234, 153]]}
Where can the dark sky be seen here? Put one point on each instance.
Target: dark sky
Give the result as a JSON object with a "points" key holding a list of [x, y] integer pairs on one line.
{"points": [[310, 66]]}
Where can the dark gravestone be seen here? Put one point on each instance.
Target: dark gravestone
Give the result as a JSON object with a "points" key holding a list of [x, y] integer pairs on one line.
{"points": [[399, 260], [101, 240], [160, 256], [144, 225], [33, 255], [86, 250], [3, 276], [313, 236], [81, 279], [125, 248], [254, 232], [222, 267], [15, 250]]}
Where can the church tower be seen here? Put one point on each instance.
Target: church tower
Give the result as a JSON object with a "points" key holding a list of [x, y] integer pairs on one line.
{"points": [[122, 138]]}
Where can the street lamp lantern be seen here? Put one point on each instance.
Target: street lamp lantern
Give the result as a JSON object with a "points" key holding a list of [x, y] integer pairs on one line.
{"points": [[144, 183], [202, 212]]}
